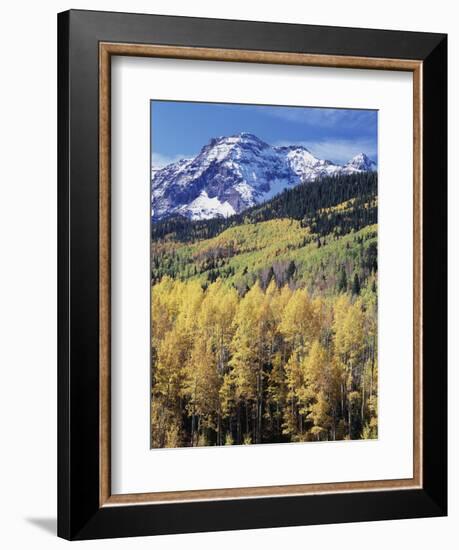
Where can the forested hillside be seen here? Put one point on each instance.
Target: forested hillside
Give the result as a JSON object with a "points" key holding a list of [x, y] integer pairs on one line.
{"points": [[299, 203], [264, 324]]}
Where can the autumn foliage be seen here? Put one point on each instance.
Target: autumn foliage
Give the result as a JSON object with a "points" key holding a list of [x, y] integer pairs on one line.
{"points": [[264, 324], [264, 366]]}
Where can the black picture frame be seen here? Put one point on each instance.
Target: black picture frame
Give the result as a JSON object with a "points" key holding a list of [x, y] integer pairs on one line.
{"points": [[80, 515]]}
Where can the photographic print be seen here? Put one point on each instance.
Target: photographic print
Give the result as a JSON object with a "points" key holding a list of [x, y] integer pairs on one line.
{"points": [[264, 274]]}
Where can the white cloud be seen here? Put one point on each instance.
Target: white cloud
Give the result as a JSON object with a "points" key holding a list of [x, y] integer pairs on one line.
{"points": [[338, 150], [326, 117], [159, 161]]}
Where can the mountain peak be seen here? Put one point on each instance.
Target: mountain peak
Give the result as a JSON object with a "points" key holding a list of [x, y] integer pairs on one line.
{"points": [[247, 135], [236, 138], [232, 173], [293, 147], [361, 162], [360, 157]]}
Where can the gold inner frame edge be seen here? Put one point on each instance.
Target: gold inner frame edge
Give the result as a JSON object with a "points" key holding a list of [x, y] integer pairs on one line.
{"points": [[106, 51]]}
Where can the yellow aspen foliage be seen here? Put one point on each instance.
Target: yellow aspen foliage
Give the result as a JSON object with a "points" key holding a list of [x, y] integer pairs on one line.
{"points": [[299, 325], [202, 384], [270, 365]]}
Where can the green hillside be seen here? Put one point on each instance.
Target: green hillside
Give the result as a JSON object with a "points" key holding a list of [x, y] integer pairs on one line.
{"points": [[307, 237], [278, 249]]}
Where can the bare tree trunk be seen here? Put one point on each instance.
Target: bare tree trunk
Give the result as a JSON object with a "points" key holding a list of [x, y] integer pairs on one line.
{"points": [[218, 429], [372, 364], [255, 416], [192, 429], [278, 417], [349, 418], [238, 428], [246, 418], [363, 397], [260, 409], [193, 418]]}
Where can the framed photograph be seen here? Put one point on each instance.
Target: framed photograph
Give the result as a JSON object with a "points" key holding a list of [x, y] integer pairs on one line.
{"points": [[252, 275]]}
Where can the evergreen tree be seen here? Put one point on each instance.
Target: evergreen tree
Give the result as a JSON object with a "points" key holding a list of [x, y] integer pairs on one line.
{"points": [[290, 270], [356, 285], [342, 283]]}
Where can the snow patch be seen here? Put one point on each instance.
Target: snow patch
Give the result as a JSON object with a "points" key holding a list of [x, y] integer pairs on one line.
{"points": [[205, 207]]}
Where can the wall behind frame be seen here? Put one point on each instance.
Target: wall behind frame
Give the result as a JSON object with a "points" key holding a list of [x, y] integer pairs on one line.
{"points": [[28, 274]]}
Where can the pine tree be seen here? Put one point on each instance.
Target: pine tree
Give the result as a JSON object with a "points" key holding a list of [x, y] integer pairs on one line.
{"points": [[290, 270], [356, 285], [342, 284]]}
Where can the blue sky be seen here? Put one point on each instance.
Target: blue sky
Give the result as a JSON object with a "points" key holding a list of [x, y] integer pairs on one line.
{"points": [[181, 129]]}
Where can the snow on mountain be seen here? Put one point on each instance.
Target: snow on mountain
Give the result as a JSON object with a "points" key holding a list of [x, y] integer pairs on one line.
{"points": [[360, 163], [305, 165], [233, 173], [204, 208]]}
